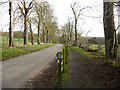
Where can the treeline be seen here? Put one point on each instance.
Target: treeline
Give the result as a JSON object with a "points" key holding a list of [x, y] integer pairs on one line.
{"points": [[20, 35]]}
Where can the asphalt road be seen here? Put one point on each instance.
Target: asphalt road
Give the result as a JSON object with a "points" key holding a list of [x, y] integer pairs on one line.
{"points": [[16, 71]]}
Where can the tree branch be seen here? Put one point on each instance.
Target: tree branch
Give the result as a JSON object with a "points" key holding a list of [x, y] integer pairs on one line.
{"points": [[3, 2], [21, 9]]}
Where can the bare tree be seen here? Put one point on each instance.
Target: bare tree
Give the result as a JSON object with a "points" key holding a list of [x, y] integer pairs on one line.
{"points": [[77, 14]]}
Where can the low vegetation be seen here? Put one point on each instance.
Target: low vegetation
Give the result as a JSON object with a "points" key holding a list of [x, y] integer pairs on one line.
{"points": [[113, 64], [110, 62], [95, 47], [83, 52], [21, 50]]}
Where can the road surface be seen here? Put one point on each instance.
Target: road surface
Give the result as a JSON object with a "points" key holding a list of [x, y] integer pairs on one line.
{"points": [[17, 71]]}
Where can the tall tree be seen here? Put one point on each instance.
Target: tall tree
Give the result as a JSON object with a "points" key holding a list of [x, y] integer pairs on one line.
{"points": [[70, 29], [111, 42], [11, 36], [25, 11], [39, 11], [77, 14]]}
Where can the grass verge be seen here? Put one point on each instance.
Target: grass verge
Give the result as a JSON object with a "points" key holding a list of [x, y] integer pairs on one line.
{"points": [[83, 52], [21, 50]]}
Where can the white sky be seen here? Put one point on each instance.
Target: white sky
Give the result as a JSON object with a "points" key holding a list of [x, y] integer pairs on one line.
{"points": [[63, 12]]}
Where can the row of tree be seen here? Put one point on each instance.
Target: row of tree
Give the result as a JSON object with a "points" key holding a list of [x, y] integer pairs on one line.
{"points": [[38, 14], [41, 15]]}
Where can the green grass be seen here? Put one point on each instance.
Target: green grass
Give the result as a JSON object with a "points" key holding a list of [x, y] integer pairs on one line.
{"points": [[21, 50], [95, 46], [5, 41], [17, 41], [66, 75], [110, 62], [65, 78], [116, 66], [81, 51]]}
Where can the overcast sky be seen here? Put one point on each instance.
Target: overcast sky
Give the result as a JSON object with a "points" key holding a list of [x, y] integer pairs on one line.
{"points": [[63, 12]]}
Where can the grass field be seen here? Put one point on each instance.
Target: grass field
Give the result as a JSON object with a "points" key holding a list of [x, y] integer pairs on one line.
{"points": [[21, 50], [81, 51], [5, 41], [17, 42], [95, 46]]}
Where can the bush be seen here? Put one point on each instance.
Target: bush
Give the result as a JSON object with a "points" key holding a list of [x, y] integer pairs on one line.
{"points": [[117, 66], [110, 62]]}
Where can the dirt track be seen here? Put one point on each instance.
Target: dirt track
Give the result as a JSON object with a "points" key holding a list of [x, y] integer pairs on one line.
{"points": [[87, 73]]}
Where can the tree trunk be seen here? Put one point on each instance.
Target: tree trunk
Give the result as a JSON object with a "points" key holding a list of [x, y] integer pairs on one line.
{"points": [[44, 34], [111, 43], [39, 26], [26, 28], [3, 40], [116, 47], [75, 32], [47, 39], [11, 36], [71, 30], [32, 37]]}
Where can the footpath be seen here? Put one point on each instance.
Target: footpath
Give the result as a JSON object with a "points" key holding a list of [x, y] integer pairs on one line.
{"points": [[87, 73]]}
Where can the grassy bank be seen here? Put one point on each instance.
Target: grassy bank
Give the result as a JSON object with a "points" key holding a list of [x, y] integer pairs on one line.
{"points": [[95, 46], [21, 50], [81, 51], [85, 53]]}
